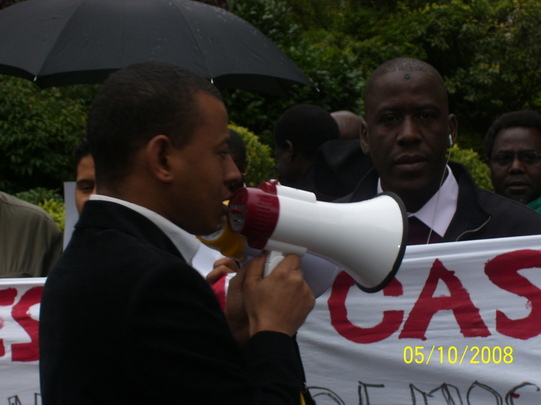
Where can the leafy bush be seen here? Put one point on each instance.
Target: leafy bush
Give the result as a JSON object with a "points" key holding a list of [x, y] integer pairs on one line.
{"points": [[49, 200], [38, 195], [38, 131], [56, 209], [478, 169]]}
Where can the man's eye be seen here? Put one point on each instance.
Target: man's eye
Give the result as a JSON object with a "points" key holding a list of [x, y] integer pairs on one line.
{"points": [[529, 157], [503, 159], [389, 119], [427, 116], [85, 187]]}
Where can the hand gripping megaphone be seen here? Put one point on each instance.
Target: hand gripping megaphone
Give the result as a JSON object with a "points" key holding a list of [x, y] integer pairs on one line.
{"points": [[366, 239]]}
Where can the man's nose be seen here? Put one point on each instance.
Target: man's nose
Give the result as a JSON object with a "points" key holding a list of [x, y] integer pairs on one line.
{"points": [[516, 164], [409, 132]]}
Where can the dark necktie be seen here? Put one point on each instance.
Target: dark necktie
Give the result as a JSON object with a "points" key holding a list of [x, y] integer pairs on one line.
{"points": [[418, 232]]}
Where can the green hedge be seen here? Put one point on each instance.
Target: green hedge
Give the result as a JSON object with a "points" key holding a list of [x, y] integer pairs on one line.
{"points": [[49, 200], [477, 167]]}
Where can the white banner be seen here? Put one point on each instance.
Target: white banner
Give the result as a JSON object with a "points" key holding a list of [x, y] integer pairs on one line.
{"points": [[19, 352], [460, 324]]}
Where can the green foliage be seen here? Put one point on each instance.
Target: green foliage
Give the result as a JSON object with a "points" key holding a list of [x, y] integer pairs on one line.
{"points": [[38, 195], [56, 209], [477, 167], [489, 54], [261, 165], [47, 199], [327, 58], [38, 131]]}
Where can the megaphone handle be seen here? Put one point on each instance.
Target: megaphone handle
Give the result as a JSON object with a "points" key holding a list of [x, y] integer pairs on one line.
{"points": [[273, 258]]}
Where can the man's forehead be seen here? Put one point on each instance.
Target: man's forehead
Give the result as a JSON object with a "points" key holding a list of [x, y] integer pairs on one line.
{"points": [[412, 83], [518, 135], [397, 77]]}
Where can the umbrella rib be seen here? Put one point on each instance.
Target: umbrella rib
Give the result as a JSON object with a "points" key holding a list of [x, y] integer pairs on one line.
{"points": [[209, 76]]}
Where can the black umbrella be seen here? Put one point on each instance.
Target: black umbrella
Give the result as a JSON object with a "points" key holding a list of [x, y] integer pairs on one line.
{"points": [[61, 42]]}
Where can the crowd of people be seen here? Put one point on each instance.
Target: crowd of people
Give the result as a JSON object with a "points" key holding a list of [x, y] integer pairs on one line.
{"points": [[154, 169]]}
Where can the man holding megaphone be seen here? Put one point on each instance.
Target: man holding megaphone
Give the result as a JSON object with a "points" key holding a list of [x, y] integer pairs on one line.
{"points": [[125, 318]]}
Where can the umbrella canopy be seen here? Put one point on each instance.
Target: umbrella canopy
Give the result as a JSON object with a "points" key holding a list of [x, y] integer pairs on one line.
{"points": [[62, 42]]}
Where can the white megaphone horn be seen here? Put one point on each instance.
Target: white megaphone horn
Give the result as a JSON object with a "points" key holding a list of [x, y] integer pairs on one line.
{"points": [[319, 273], [366, 239]]}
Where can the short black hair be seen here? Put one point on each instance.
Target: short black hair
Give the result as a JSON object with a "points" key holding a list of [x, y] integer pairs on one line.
{"points": [[520, 118], [306, 126], [81, 150], [137, 103]]}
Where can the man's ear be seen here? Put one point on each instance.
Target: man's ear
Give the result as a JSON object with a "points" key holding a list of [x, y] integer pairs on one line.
{"points": [[290, 150], [158, 155], [365, 145]]}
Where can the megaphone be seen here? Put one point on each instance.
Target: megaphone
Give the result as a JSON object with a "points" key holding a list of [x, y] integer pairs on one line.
{"points": [[366, 239], [319, 273]]}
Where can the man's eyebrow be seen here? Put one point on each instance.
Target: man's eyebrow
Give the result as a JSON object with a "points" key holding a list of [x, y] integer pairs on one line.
{"points": [[387, 108]]}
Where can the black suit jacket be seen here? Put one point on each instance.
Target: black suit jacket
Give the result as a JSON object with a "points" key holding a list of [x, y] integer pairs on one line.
{"points": [[480, 214], [124, 320]]}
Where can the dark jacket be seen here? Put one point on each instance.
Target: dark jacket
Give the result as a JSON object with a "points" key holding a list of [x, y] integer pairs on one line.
{"points": [[124, 320], [480, 214]]}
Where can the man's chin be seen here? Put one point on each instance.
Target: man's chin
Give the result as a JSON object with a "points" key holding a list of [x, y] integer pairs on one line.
{"points": [[521, 198]]}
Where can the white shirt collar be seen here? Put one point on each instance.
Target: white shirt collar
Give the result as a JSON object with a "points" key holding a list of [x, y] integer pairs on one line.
{"points": [[186, 243], [438, 212]]}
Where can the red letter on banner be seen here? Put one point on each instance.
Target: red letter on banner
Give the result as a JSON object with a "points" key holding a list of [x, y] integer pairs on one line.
{"points": [[466, 314], [339, 313], [503, 271], [7, 297], [20, 312]]}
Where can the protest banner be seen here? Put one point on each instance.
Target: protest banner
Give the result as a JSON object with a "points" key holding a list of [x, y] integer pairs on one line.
{"points": [[460, 324], [19, 345]]}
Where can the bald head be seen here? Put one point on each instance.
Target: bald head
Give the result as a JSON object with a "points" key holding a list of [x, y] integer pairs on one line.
{"points": [[349, 124], [406, 65]]}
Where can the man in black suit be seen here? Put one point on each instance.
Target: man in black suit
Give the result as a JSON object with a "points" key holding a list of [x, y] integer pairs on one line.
{"points": [[124, 317], [409, 130]]}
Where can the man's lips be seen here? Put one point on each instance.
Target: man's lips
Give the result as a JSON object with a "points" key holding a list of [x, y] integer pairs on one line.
{"points": [[517, 186], [410, 162]]}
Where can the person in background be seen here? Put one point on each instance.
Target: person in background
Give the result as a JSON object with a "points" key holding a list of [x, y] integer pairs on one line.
{"points": [[298, 133], [237, 148], [85, 176], [513, 150], [85, 185], [124, 317], [349, 124], [30, 241], [340, 163], [409, 130]]}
